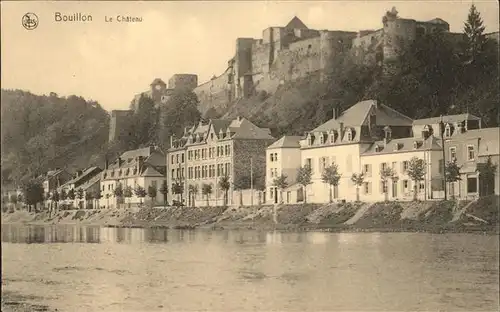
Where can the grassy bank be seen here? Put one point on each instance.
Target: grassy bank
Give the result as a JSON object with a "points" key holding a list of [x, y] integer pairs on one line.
{"points": [[435, 216]]}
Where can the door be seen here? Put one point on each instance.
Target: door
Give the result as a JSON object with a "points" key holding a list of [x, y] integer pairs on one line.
{"points": [[394, 189], [275, 195]]}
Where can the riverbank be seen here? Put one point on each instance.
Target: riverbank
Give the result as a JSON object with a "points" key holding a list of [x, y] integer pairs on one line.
{"points": [[433, 216]]}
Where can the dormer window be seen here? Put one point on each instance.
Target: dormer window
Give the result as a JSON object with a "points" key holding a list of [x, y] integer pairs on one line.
{"points": [[321, 139], [396, 147], [211, 136], [447, 131], [377, 148], [310, 140], [415, 145], [332, 137], [349, 135]]}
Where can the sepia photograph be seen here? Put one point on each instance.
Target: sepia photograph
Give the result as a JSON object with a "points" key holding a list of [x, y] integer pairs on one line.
{"points": [[227, 156]]}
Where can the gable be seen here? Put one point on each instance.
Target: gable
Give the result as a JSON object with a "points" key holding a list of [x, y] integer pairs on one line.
{"points": [[296, 23]]}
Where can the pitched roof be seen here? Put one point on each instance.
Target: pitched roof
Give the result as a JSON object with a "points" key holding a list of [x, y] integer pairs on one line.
{"points": [[219, 124], [151, 172], [157, 158], [446, 119], [95, 179], [404, 145], [144, 152], [248, 130], [296, 23], [286, 141], [158, 81], [85, 173], [356, 115]]}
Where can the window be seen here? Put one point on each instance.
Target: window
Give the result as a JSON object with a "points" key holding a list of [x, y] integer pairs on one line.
{"points": [[453, 153], [182, 158], [367, 169], [421, 187], [153, 184], [405, 185], [228, 150], [210, 153], [309, 162], [405, 166], [447, 131], [275, 156], [172, 159], [203, 153], [367, 187], [271, 172], [321, 139], [415, 145], [349, 135], [182, 173], [383, 166], [377, 149], [271, 156], [471, 185], [470, 152], [177, 158], [173, 174]]}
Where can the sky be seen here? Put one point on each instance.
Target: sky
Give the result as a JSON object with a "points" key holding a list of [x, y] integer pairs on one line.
{"points": [[110, 62]]}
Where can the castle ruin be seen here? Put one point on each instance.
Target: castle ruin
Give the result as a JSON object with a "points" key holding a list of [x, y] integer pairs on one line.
{"points": [[286, 53]]}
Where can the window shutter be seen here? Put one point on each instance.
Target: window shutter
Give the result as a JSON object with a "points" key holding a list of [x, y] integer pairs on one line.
{"points": [[369, 187], [369, 170]]}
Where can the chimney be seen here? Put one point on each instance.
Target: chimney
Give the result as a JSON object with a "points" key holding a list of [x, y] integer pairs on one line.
{"points": [[171, 141], [375, 103], [335, 113], [342, 130], [106, 163]]}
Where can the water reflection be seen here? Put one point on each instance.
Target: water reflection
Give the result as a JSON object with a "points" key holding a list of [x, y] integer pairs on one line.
{"points": [[152, 269]]}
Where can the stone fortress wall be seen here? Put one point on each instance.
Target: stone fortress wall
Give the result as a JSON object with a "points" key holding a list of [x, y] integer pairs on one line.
{"points": [[295, 51]]}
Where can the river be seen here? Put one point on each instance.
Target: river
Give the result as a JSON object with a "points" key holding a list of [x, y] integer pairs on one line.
{"points": [[72, 268]]}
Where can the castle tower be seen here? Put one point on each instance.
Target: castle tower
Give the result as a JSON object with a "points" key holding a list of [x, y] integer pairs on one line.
{"points": [[118, 123], [327, 50], [158, 88]]}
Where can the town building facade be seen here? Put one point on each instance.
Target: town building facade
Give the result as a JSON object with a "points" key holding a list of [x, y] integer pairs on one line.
{"points": [[134, 172], [370, 137], [211, 150]]}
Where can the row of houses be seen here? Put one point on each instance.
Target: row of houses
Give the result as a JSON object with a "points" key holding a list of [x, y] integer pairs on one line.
{"points": [[366, 138], [369, 137]]}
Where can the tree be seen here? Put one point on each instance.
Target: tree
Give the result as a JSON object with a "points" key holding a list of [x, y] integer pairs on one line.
{"points": [[152, 193], [180, 110], [473, 34], [416, 172], [386, 174], [304, 178], [164, 192], [97, 197], [452, 173], [178, 189], [13, 199], [80, 194], [193, 191], [358, 179], [225, 185], [242, 182], [331, 176], [55, 198], [206, 189], [128, 193], [487, 172], [89, 196], [63, 196], [140, 192], [281, 183], [71, 194], [33, 193], [118, 192]]}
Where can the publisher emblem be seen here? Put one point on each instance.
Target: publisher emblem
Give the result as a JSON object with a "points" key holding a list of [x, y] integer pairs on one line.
{"points": [[30, 21]]}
